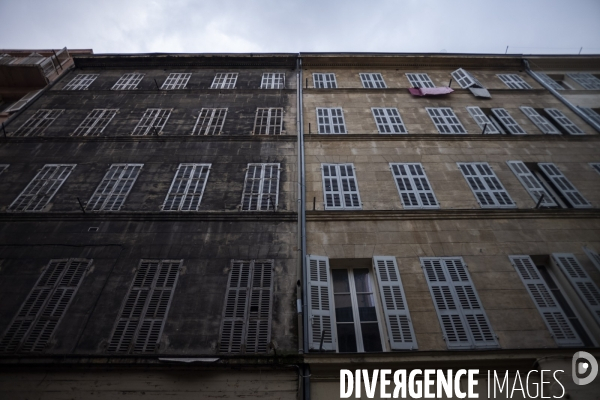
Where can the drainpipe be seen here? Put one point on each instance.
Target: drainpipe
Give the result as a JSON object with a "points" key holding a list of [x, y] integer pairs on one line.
{"points": [[566, 102]]}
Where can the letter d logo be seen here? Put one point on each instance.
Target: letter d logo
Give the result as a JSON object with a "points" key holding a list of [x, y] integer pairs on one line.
{"points": [[581, 368]]}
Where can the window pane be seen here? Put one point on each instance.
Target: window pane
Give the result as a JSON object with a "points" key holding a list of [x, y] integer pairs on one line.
{"points": [[366, 307], [343, 308], [346, 338], [340, 281], [361, 280], [371, 337]]}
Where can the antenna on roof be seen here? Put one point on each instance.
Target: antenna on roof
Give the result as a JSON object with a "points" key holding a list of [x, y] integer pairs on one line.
{"points": [[506, 51], [580, 50]]}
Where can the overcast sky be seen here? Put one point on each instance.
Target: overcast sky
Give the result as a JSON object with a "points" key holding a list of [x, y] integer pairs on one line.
{"points": [[457, 26]]}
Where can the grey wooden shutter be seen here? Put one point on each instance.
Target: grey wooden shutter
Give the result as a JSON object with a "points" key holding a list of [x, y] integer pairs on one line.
{"points": [[258, 334], [508, 121], [233, 325], [549, 81], [562, 120], [42, 188], [581, 281], [320, 304], [397, 315], [413, 186], [187, 188], [564, 185], [114, 188], [593, 256], [465, 79], [482, 120], [542, 123], [557, 322], [486, 187], [531, 183]]}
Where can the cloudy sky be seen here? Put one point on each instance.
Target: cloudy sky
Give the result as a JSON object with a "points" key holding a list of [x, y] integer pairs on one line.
{"points": [[457, 26]]}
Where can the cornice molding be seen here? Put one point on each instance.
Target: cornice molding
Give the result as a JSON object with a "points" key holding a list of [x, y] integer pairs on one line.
{"points": [[438, 137], [161, 138]]}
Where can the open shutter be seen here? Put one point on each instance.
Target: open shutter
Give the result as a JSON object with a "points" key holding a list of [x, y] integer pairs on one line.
{"points": [[557, 322], [351, 197], [593, 256], [21, 103], [233, 326], [258, 334], [465, 79], [508, 122], [549, 81], [482, 120], [593, 115], [320, 304], [564, 185], [397, 316], [542, 123], [486, 187], [413, 186], [581, 281], [531, 183], [563, 121]]}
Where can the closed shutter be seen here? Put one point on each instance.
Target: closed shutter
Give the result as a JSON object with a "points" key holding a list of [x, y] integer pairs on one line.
{"points": [[187, 188], [258, 333], [152, 122], [42, 188], [318, 81], [564, 185], [399, 325], [38, 122], [482, 120], [531, 183], [445, 120], [320, 304], [413, 186], [514, 81], [114, 188], [420, 80], [330, 120], [508, 121], [340, 188], [176, 81], [542, 123], [465, 79], [563, 121], [557, 322], [581, 281], [210, 121], [233, 326], [388, 120], [261, 188], [593, 256], [486, 187], [585, 79], [128, 82], [351, 197], [330, 81]]}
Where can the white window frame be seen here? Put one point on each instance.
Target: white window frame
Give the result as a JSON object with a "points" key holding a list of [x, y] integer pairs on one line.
{"points": [[482, 120], [485, 185], [268, 121], [508, 122], [388, 120], [152, 122], [419, 80], [81, 82], [465, 79], [564, 186], [531, 183], [445, 120], [113, 190], [595, 166], [549, 81], [224, 80], [514, 81], [540, 121], [273, 80], [372, 80], [38, 122], [42, 188], [258, 193], [128, 82], [563, 121], [341, 183], [324, 80], [585, 80], [95, 122], [210, 121], [175, 81], [332, 120], [413, 186], [187, 188]]}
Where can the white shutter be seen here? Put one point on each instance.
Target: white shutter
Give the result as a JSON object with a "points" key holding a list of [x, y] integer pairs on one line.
{"points": [[595, 166], [413, 186], [370, 81], [542, 123], [420, 80], [261, 187], [482, 120], [330, 81], [563, 121], [351, 196], [42, 188], [564, 185], [585, 79], [593, 115], [233, 325], [465, 79], [514, 81], [152, 122], [21, 103], [508, 122], [445, 120], [38, 122], [187, 188], [340, 188], [557, 322], [330, 120], [388, 120], [531, 183], [176, 81], [486, 187], [114, 187], [549, 81], [581, 281], [593, 256], [321, 310], [128, 82], [258, 334], [397, 316]]}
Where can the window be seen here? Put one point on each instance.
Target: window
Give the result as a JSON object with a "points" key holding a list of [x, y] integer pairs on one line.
{"points": [[261, 188], [483, 121], [128, 82], [41, 313], [38, 122], [187, 188], [563, 122], [176, 81], [463, 320], [340, 188], [586, 80], [246, 323], [372, 81], [331, 120], [224, 81], [81, 82], [532, 184], [413, 186], [210, 121], [142, 316], [549, 81], [273, 81], [508, 121], [152, 122], [95, 122], [514, 81], [592, 114], [596, 166], [324, 81], [465, 79], [114, 188], [388, 120], [22, 102], [560, 182], [42, 188], [486, 187], [542, 123], [268, 121], [344, 310], [420, 80], [445, 120]]}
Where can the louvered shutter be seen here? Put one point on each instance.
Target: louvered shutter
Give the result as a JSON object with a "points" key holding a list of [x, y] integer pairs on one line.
{"points": [[531, 183], [413, 186], [233, 326], [399, 325], [564, 185], [482, 120], [351, 196], [508, 121], [486, 187], [320, 304], [581, 281], [557, 322], [258, 333], [563, 121], [593, 256], [542, 123]]}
